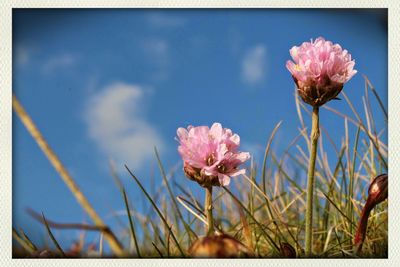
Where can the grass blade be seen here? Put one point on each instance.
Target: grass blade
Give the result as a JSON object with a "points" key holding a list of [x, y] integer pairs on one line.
{"points": [[156, 209], [62, 171], [187, 227], [351, 182], [264, 166], [158, 251], [269, 239], [81, 226], [376, 145], [52, 237], [22, 242], [377, 97], [131, 223], [27, 239], [338, 209], [182, 201]]}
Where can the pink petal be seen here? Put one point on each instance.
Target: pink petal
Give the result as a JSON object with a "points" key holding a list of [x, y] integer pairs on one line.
{"points": [[238, 172], [224, 179], [216, 130], [182, 133]]}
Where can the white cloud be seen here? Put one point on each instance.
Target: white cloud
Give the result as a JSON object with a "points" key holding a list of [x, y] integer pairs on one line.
{"points": [[159, 20], [59, 62], [254, 65], [115, 122]]}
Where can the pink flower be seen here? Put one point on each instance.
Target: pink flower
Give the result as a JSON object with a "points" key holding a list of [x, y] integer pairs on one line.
{"points": [[320, 69], [211, 155]]}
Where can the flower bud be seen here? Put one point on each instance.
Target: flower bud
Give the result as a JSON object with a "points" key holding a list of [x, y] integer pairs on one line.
{"points": [[377, 193], [219, 246], [378, 190], [287, 251]]}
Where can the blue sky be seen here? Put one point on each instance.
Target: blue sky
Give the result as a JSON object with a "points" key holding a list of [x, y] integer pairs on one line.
{"points": [[110, 84]]}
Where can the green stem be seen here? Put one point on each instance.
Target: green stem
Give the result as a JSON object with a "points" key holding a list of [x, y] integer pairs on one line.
{"points": [[208, 210], [311, 181]]}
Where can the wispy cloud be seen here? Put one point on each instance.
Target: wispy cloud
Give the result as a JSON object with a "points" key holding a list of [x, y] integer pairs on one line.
{"points": [[157, 52], [159, 20], [235, 41], [116, 123], [254, 65], [59, 62], [21, 55]]}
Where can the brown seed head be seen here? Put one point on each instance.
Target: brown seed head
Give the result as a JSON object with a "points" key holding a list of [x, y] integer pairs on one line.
{"points": [[219, 246]]}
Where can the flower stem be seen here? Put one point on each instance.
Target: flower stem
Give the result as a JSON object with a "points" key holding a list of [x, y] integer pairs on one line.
{"points": [[362, 227], [311, 181], [208, 210]]}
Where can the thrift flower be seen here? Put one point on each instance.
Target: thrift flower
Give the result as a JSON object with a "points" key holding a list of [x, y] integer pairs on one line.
{"points": [[320, 69], [211, 155]]}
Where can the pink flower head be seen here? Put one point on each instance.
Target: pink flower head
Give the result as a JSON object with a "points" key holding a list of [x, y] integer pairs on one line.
{"points": [[320, 68], [210, 155]]}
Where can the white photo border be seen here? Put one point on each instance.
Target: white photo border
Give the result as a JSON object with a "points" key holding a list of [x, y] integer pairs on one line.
{"points": [[6, 7]]}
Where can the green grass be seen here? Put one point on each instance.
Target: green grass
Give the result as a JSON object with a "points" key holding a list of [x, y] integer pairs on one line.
{"points": [[266, 208]]}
